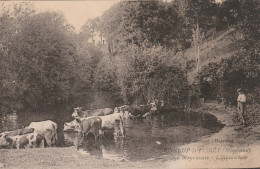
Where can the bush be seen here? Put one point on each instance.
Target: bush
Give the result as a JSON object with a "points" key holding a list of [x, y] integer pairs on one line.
{"points": [[149, 73]]}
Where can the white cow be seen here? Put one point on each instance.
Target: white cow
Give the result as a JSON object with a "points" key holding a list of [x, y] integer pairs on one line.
{"points": [[48, 128], [113, 121]]}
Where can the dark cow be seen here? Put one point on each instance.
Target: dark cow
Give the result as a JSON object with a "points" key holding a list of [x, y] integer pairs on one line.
{"points": [[134, 110], [30, 140], [140, 110], [88, 113], [87, 124]]}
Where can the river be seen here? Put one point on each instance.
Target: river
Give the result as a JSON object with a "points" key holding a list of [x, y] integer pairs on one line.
{"points": [[145, 139]]}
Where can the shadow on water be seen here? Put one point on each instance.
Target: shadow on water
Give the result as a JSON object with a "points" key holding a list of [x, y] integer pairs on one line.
{"points": [[145, 139]]}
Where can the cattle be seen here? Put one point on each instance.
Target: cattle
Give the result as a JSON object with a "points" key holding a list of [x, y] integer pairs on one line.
{"points": [[4, 135], [73, 125], [113, 121], [124, 114], [30, 140], [109, 122], [87, 113], [87, 124], [136, 111], [49, 130]]}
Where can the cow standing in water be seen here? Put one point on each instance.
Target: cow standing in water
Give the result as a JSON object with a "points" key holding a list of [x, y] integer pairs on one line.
{"points": [[136, 111], [109, 122], [87, 113], [87, 124], [113, 122]]}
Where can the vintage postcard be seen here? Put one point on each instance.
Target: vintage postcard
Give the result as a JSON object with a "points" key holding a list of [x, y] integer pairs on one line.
{"points": [[129, 84]]}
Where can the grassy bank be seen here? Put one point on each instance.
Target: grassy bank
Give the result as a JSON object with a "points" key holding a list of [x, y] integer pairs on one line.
{"points": [[62, 158]]}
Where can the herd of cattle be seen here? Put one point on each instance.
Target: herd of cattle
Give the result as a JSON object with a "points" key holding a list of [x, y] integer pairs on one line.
{"points": [[44, 133]]}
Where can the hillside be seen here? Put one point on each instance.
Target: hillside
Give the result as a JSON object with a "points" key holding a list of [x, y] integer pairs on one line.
{"points": [[222, 45]]}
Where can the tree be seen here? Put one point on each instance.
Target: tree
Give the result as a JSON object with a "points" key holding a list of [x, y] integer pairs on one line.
{"points": [[141, 73], [145, 23], [41, 66], [10, 27]]}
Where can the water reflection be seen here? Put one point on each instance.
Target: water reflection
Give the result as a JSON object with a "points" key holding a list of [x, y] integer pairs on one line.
{"points": [[145, 139], [148, 139], [107, 148]]}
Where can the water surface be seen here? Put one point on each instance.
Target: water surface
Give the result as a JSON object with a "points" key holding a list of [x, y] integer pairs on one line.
{"points": [[145, 139]]}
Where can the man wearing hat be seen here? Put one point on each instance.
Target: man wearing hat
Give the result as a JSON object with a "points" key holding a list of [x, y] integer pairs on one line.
{"points": [[241, 105]]}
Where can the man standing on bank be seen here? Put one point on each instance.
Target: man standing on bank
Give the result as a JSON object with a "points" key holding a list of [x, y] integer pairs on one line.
{"points": [[241, 105]]}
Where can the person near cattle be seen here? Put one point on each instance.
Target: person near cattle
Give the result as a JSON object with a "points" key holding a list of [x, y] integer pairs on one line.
{"points": [[241, 105]]}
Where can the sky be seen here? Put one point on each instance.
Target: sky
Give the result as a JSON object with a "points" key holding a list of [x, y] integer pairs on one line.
{"points": [[76, 12]]}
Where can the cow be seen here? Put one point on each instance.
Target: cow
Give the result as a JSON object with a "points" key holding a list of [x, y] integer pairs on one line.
{"points": [[4, 135], [113, 121], [20, 131], [73, 125], [136, 111], [124, 114], [30, 140], [87, 124], [49, 130], [88, 113]]}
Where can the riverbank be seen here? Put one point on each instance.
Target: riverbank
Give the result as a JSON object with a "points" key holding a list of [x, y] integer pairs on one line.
{"points": [[234, 146]]}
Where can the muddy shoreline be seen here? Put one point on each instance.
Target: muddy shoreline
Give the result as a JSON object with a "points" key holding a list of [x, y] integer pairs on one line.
{"points": [[227, 148]]}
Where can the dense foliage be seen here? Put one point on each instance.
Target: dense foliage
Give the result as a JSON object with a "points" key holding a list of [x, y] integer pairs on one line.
{"points": [[39, 61], [45, 64], [146, 74]]}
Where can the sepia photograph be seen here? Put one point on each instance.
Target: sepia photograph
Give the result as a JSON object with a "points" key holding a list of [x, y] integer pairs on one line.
{"points": [[122, 84]]}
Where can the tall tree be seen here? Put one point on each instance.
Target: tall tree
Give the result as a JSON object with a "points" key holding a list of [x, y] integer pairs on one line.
{"points": [[144, 23]]}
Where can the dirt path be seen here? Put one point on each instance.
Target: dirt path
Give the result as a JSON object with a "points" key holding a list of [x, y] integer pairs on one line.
{"points": [[233, 147]]}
